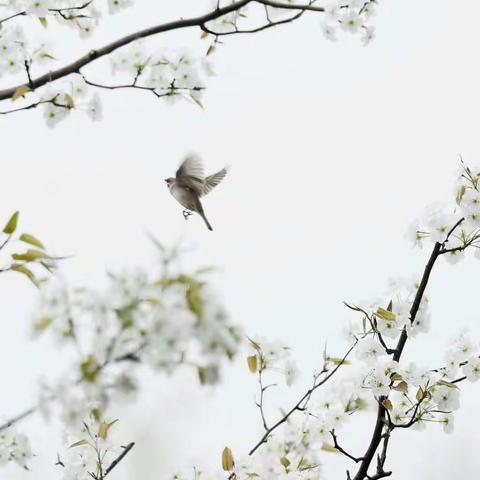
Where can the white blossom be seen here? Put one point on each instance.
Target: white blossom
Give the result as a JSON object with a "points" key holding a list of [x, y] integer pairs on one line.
{"points": [[94, 107], [472, 369], [447, 421], [291, 372], [351, 22]]}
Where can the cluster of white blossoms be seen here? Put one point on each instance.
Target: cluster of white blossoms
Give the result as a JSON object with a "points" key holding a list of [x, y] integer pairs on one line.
{"points": [[294, 453], [439, 219], [412, 396], [162, 321], [173, 75], [379, 322], [14, 447], [230, 21], [273, 357], [72, 93], [294, 450], [81, 15], [89, 450], [350, 16], [170, 76]]}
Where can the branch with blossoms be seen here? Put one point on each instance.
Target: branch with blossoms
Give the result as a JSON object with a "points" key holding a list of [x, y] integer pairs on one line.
{"points": [[95, 455], [170, 76], [264, 357], [403, 395], [162, 320], [40, 10]]}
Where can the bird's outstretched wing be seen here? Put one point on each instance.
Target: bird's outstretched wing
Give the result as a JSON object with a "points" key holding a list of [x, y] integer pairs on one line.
{"points": [[191, 167], [213, 180]]}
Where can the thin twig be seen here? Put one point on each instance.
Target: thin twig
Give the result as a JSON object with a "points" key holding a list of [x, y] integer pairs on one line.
{"points": [[341, 450], [300, 405]]}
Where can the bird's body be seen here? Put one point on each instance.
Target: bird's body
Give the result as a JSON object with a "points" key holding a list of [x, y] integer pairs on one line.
{"points": [[189, 184]]}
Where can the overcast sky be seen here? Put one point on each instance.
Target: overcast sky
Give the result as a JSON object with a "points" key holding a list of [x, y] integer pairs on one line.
{"points": [[335, 148]]}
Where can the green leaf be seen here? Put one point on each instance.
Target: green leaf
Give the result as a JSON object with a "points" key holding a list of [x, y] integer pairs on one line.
{"points": [[326, 447], [401, 387], [104, 428], [18, 267], [252, 363], [78, 444], [385, 314], [11, 225], [387, 404], [47, 55], [89, 369], [96, 413], [227, 460], [339, 361], [68, 100], [43, 21], [27, 238], [29, 256], [194, 299], [43, 323], [20, 92], [447, 384], [211, 49], [460, 193], [420, 394]]}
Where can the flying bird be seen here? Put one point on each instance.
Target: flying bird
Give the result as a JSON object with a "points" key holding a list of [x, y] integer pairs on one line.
{"points": [[190, 183]]}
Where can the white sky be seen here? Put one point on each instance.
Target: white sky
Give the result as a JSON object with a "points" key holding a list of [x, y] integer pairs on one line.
{"points": [[335, 149]]}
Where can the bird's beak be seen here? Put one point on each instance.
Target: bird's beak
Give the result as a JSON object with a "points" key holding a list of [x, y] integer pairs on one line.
{"points": [[166, 180]]}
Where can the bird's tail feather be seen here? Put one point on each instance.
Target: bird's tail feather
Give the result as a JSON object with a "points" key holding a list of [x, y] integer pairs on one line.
{"points": [[207, 223]]}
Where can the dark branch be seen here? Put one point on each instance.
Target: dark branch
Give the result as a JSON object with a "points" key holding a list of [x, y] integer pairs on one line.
{"points": [[199, 21], [380, 421], [35, 105], [119, 458], [6, 19], [268, 25], [291, 6], [341, 450], [168, 90], [109, 48]]}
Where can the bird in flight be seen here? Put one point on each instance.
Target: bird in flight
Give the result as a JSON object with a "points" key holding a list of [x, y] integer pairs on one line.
{"points": [[190, 183]]}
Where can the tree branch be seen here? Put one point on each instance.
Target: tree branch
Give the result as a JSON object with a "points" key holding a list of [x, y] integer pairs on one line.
{"points": [[301, 404], [341, 450], [268, 25], [291, 6], [380, 421], [126, 449], [199, 21], [362, 472], [109, 48], [35, 105], [154, 90]]}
